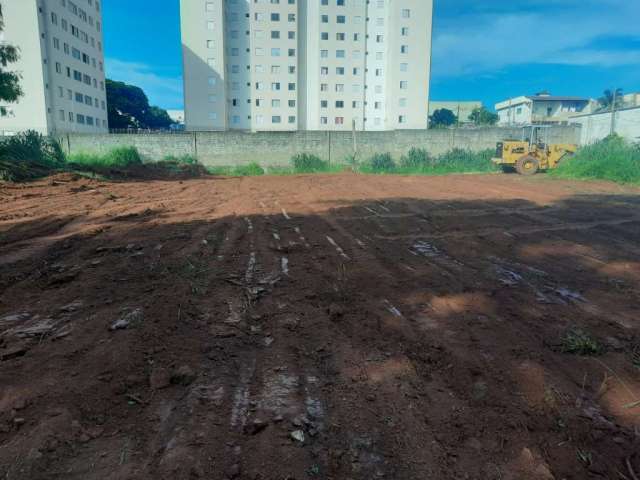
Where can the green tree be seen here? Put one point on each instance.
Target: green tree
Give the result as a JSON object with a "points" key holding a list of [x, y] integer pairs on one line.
{"points": [[482, 116], [442, 117], [10, 89], [607, 99], [129, 108]]}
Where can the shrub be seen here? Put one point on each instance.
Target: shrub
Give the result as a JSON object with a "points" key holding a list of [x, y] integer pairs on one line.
{"points": [[250, 170], [464, 161], [29, 155], [381, 163], [308, 163], [416, 159], [609, 159], [579, 342]]}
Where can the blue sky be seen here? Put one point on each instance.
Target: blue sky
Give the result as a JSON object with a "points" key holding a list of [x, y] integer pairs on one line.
{"points": [[483, 50]]}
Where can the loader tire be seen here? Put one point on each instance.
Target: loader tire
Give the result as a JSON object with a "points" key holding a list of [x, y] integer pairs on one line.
{"points": [[527, 165]]}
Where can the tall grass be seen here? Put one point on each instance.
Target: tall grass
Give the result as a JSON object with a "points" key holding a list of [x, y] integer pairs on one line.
{"points": [[420, 162], [250, 170], [611, 159], [29, 155], [308, 163], [122, 157]]}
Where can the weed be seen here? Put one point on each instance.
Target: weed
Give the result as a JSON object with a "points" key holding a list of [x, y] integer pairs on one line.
{"points": [[251, 170], [308, 163], [585, 457], [380, 163], [579, 342], [416, 159], [121, 157], [29, 155], [611, 159]]}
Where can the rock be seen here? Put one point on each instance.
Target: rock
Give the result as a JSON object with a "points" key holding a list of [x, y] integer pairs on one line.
{"points": [[268, 341], [298, 435], [183, 376], [160, 378], [233, 471], [15, 317], [255, 427], [132, 318], [72, 307]]}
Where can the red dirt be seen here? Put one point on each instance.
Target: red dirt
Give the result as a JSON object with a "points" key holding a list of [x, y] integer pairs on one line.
{"points": [[407, 327]]}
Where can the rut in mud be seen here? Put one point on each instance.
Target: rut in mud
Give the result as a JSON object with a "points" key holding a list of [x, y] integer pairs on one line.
{"points": [[333, 327]]}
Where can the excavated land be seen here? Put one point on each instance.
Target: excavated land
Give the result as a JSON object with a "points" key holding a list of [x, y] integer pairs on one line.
{"points": [[320, 326]]}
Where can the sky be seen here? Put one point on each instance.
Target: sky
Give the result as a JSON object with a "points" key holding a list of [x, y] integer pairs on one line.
{"points": [[486, 50]]}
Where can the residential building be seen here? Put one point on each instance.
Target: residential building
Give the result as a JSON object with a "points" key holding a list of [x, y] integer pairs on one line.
{"points": [[543, 109], [631, 100], [178, 118], [61, 63], [284, 65], [461, 109], [598, 125]]}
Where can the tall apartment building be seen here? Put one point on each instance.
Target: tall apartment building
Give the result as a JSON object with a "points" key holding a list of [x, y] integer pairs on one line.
{"points": [[282, 65], [61, 63]]}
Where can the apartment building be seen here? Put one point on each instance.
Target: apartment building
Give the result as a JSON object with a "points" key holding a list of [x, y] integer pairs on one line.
{"points": [[61, 63], [284, 65]]}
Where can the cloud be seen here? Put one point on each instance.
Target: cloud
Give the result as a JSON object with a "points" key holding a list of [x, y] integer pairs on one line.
{"points": [[163, 91], [473, 38]]}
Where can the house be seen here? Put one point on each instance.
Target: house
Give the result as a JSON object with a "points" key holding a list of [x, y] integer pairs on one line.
{"points": [[542, 109], [462, 110]]}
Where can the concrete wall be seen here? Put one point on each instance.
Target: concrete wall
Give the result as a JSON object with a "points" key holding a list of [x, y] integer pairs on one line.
{"points": [[276, 148], [597, 126]]}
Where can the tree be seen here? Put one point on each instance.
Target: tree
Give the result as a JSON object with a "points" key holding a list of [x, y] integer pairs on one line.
{"points": [[442, 117], [606, 101], [10, 90], [482, 116], [129, 108]]}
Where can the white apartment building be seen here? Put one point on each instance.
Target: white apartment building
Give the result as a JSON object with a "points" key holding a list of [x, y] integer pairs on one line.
{"points": [[284, 65], [61, 63]]}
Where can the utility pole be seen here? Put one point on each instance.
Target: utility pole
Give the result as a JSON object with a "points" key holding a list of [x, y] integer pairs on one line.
{"points": [[613, 111]]}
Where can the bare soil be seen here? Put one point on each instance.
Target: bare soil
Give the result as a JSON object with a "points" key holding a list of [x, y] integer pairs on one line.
{"points": [[331, 327]]}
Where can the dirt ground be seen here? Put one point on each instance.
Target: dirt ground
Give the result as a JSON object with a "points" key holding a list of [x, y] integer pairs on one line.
{"points": [[331, 327]]}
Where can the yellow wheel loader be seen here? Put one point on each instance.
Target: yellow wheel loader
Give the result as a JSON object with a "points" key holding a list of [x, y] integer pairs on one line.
{"points": [[533, 152]]}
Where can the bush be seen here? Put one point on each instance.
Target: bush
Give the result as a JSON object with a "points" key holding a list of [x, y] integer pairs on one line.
{"points": [[308, 163], [609, 159], [29, 155], [250, 170], [381, 163], [416, 159]]}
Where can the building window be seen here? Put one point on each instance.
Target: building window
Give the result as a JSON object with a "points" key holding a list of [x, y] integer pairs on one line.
{"points": [[402, 119], [276, 119], [404, 48], [324, 120], [406, 13], [339, 120], [404, 85], [292, 119], [209, 7]]}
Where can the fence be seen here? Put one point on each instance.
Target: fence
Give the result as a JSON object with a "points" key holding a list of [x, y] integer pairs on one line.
{"points": [[232, 148]]}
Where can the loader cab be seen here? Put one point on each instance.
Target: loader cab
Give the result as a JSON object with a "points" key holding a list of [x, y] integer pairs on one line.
{"points": [[537, 136]]}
